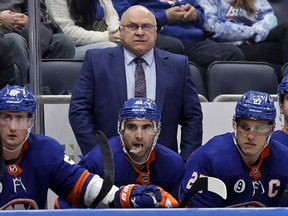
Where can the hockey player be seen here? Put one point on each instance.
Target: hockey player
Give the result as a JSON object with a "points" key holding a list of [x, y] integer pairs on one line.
{"points": [[248, 162], [282, 135], [35, 163], [138, 158]]}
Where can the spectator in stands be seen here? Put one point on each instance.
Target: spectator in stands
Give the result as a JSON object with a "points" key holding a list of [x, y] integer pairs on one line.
{"points": [[7, 71], [138, 158], [90, 23], [249, 25], [184, 20], [106, 81], [282, 135], [247, 161], [34, 163], [95, 24], [15, 13]]}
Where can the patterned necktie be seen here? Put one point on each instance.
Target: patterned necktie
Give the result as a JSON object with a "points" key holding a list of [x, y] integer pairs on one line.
{"points": [[140, 83]]}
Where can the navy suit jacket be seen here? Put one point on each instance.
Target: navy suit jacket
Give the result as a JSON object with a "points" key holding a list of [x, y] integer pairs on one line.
{"points": [[100, 92]]}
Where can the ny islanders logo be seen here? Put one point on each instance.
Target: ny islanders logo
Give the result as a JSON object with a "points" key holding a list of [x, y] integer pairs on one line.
{"points": [[240, 14]]}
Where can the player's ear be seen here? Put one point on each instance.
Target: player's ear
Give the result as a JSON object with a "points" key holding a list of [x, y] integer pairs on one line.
{"points": [[234, 122], [30, 124]]}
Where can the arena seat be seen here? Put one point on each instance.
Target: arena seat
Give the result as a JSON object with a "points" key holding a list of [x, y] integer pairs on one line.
{"points": [[59, 76], [198, 80], [280, 8], [284, 70], [18, 80], [202, 98], [228, 77]]}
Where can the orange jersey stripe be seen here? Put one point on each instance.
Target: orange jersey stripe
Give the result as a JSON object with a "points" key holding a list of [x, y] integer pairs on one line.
{"points": [[74, 195], [56, 204]]}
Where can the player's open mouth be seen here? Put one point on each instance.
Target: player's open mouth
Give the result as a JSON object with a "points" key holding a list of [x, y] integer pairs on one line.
{"points": [[250, 144], [136, 148]]}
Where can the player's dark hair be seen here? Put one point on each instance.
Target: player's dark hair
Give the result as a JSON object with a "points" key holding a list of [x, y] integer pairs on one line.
{"points": [[281, 99]]}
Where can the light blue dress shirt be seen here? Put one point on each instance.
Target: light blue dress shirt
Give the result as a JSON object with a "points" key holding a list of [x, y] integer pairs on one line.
{"points": [[149, 69]]}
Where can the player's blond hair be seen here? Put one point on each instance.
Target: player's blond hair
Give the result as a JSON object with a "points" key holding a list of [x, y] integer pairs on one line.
{"points": [[249, 5]]}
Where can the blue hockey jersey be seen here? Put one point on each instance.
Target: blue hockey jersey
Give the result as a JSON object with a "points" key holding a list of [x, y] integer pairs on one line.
{"points": [[41, 165], [280, 136], [165, 168], [264, 182]]}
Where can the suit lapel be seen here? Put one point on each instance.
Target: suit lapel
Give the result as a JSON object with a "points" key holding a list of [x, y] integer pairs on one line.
{"points": [[162, 69], [118, 73]]}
